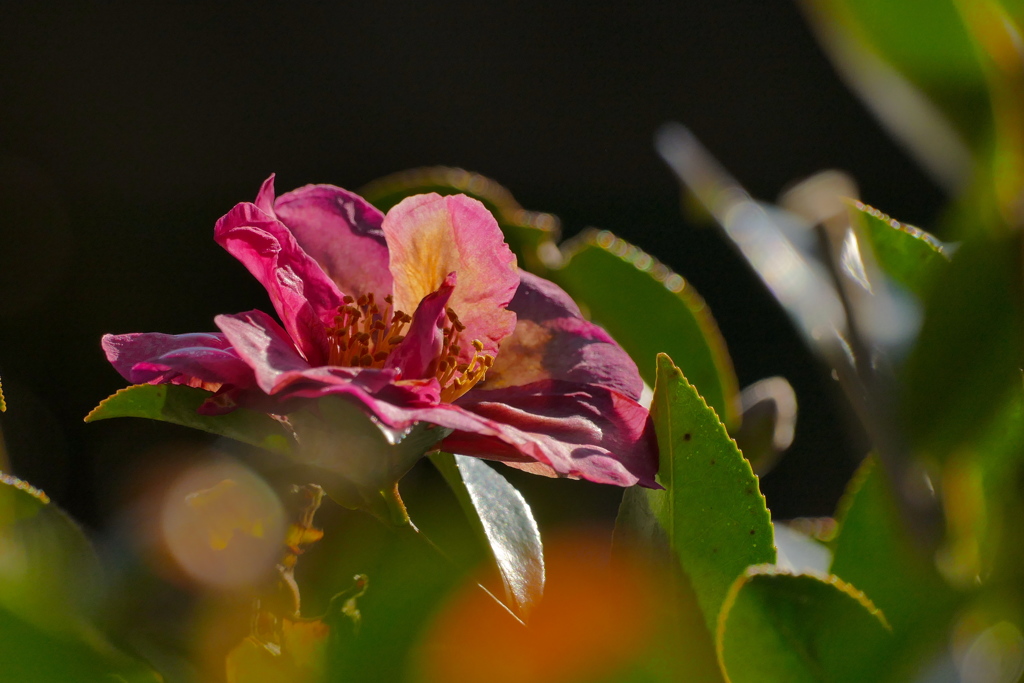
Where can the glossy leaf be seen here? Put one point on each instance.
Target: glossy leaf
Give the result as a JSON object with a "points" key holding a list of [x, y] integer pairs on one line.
{"points": [[650, 310], [178, 404], [968, 354], [525, 231], [711, 510], [798, 628], [908, 255], [504, 522], [874, 552]]}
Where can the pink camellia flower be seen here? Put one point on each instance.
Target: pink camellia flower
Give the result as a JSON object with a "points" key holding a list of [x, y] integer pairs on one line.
{"points": [[417, 316]]}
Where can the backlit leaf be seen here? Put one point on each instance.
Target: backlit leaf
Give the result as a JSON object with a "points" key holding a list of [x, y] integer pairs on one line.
{"points": [[178, 404], [778, 627]]}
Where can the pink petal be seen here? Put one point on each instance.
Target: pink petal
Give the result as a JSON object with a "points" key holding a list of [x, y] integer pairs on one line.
{"points": [[551, 427], [342, 232], [193, 359], [264, 345], [303, 296], [430, 236], [553, 341], [285, 376], [416, 357]]}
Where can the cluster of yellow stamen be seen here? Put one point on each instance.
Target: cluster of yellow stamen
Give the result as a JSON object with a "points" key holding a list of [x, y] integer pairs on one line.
{"points": [[457, 378], [363, 335]]}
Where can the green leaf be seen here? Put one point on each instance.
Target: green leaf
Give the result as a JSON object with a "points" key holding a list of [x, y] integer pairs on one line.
{"points": [[30, 653], [874, 552], [968, 354], [178, 404], [711, 510], [797, 628], [504, 523], [926, 41], [49, 573], [908, 255], [50, 580], [525, 231], [649, 310]]}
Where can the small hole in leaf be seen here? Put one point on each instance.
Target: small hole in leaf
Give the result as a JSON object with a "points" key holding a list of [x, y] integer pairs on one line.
{"points": [[687, 436]]}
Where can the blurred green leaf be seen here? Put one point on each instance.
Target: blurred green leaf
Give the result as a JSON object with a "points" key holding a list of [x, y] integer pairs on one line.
{"points": [[968, 354], [49, 573], [926, 41], [874, 552], [525, 231], [178, 405], [908, 255], [711, 511], [504, 523], [50, 579], [798, 628], [30, 653], [650, 310]]}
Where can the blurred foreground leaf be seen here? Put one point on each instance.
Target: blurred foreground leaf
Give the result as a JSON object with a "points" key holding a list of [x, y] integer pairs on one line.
{"points": [[968, 354], [873, 552], [503, 521], [49, 582], [894, 51], [649, 310], [178, 404], [778, 627], [49, 573]]}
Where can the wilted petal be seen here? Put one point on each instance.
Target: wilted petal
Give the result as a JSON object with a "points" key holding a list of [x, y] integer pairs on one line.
{"points": [[342, 232], [193, 359], [552, 427], [430, 236], [416, 356], [553, 341], [302, 294]]}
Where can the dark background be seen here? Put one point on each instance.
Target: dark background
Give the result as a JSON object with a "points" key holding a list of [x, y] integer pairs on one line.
{"points": [[127, 130]]}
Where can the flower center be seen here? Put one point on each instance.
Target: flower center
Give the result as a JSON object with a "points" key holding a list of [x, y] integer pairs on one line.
{"points": [[363, 335]]}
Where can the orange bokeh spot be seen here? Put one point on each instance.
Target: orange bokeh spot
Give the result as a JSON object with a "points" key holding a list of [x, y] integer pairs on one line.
{"points": [[596, 617]]}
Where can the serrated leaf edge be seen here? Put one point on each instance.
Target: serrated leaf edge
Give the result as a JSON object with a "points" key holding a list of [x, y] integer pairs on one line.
{"points": [[95, 413], [775, 570]]}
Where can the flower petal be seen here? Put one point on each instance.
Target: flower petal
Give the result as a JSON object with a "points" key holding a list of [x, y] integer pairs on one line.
{"points": [[416, 357], [284, 375], [549, 427], [342, 232], [264, 345], [430, 236], [553, 341], [302, 294], [202, 360]]}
